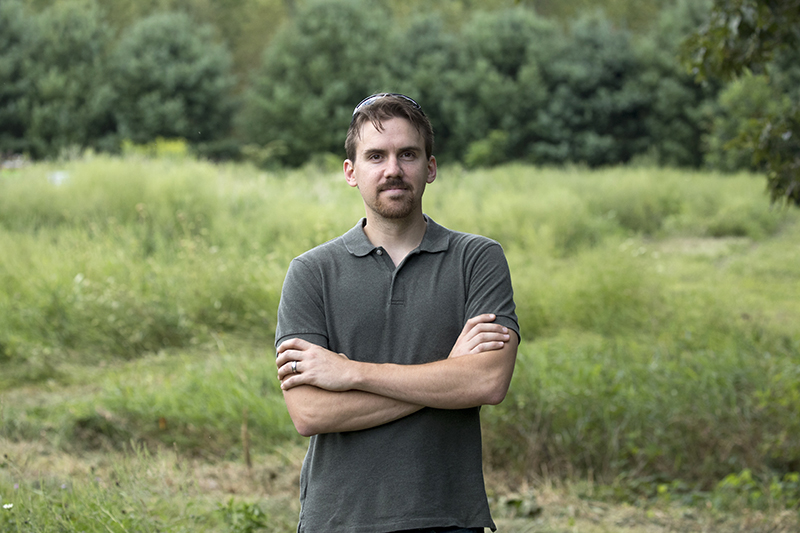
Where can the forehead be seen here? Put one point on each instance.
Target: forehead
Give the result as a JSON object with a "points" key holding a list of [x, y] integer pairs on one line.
{"points": [[394, 132]]}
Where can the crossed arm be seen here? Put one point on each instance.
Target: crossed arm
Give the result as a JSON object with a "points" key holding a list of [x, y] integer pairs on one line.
{"points": [[331, 393]]}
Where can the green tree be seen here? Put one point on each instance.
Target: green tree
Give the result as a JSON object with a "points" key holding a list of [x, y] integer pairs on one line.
{"points": [[742, 105], [321, 63], [596, 105], [477, 83], [498, 83], [14, 30], [173, 80], [680, 108], [743, 36], [59, 98]]}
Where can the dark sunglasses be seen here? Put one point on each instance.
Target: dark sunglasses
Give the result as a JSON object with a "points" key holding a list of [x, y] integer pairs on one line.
{"points": [[371, 100]]}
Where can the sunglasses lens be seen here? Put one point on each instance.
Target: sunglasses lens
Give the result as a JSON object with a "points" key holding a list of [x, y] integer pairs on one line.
{"points": [[369, 100]]}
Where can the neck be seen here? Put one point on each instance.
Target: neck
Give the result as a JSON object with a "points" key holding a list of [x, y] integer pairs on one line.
{"points": [[397, 236]]}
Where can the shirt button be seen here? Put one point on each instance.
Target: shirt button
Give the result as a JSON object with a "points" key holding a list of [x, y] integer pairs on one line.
{"points": [[379, 252]]}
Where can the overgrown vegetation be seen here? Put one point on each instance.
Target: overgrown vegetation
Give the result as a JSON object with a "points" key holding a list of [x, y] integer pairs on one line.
{"points": [[658, 311]]}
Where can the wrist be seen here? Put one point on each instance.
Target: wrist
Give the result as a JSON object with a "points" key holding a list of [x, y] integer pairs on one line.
{"points": [[356, 374]]}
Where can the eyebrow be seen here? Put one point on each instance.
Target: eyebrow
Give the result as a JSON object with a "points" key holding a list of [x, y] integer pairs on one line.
{"points": [[411, 148]]}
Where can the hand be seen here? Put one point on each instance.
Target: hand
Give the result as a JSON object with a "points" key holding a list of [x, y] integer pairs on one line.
{"points": [[480, 334], [313, 365]]}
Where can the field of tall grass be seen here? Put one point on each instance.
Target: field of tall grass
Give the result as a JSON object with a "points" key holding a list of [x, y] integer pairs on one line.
{"points": [[659, 312]]}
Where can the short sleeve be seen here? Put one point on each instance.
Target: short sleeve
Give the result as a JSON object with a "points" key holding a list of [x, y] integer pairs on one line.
{"points": [[301, 311], [489, 286]]}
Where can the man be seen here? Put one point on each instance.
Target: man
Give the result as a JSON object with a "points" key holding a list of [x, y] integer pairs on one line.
{"points": [[390, 338]]}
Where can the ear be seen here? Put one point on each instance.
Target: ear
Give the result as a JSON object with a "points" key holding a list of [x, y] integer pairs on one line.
{"points": [[350, 173], [431, 169]]}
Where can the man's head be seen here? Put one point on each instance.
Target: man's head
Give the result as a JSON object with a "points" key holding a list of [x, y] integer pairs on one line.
{"points": [[383, 106]]}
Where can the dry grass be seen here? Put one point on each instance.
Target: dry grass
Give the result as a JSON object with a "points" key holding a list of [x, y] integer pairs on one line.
{"points": [[546, 506]]}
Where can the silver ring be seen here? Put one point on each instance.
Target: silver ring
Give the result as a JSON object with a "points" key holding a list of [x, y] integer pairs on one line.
{"points": [[294, 367]]}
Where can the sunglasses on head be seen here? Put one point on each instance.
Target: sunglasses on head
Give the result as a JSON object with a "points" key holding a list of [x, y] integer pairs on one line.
{"points": [[369, 100]]}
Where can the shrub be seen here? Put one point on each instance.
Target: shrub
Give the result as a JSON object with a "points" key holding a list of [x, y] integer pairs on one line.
{"points": [[679, 109], [595, 104], [66, 101], [320, 65], [172, 80], [15, 30]]}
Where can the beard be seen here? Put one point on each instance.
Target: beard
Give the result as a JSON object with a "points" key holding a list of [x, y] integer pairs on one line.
{"points": [[394, 208]]}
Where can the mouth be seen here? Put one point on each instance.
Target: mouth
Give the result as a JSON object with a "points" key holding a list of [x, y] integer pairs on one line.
{"points": [[393, 187]]}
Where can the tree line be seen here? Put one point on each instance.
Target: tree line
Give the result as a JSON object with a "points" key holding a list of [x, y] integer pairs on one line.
{"points": [[499, 85]]}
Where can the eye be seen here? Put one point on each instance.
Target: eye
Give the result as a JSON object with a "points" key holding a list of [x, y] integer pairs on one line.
{"points": [[410, 155]]}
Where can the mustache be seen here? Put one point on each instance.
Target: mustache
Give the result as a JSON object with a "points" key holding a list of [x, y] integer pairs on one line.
{"points": [[394, 184]]}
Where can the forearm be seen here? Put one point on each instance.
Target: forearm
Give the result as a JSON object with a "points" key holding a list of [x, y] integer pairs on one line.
{"points": [[453, 383], [314, 410]]}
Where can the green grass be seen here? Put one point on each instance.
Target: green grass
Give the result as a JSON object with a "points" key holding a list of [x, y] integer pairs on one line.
{"points": [[658, 308]]}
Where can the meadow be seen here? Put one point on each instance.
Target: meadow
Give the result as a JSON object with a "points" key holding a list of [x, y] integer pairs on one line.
{"points": [[659, 364]]}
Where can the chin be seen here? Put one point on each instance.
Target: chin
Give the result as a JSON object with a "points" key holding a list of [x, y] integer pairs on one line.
{"points": [[394, 211]]}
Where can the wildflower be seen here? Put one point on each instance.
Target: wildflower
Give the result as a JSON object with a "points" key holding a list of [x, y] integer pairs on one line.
{"points": [[8, 506]]}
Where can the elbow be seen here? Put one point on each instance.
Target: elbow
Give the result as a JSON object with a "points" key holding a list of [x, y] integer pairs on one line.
{"points": [[306, 425], [495, 388], [496, 395], [305, 430]]}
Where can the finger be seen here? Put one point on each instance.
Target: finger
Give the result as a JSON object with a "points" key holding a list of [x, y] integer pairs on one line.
{"points": [[283, 358], [292, 381], [486, 317], [483, 332], [476, 320], [293, 344], [285, 370], [488, 346], [289, 356], [489, 328], [488, 341]]}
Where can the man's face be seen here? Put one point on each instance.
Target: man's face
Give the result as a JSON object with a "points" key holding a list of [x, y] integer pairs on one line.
{"points": [[391, 169]]}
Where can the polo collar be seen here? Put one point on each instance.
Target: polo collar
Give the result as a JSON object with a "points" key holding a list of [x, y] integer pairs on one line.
{"points": [[436, 239]]}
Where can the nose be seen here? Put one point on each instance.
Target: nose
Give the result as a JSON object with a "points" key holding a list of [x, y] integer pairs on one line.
{"points": [[393, 168]]}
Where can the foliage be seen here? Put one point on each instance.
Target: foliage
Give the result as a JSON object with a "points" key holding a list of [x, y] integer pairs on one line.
{"points": [[15, 29], [312, 73], [678, 110], [755, 492], [171, 79], [742, 35], [494, 89], [641, 294], [742, 105], [746, 35], [593, 107], [134, 493], [244, 517], [62, 97]]}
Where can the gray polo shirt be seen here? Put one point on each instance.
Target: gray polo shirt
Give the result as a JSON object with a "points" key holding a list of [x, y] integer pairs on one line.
{"points": [[346, 295]]}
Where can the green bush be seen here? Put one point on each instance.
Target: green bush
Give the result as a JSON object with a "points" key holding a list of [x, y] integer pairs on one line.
{"points": [[313, 73], [742, 106], [15, 30], [679, 109], [594, 103], [61, 96], [171, 79]]}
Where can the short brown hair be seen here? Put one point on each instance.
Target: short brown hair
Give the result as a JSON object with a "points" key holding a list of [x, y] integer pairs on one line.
{"points": [[384, 108]]}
